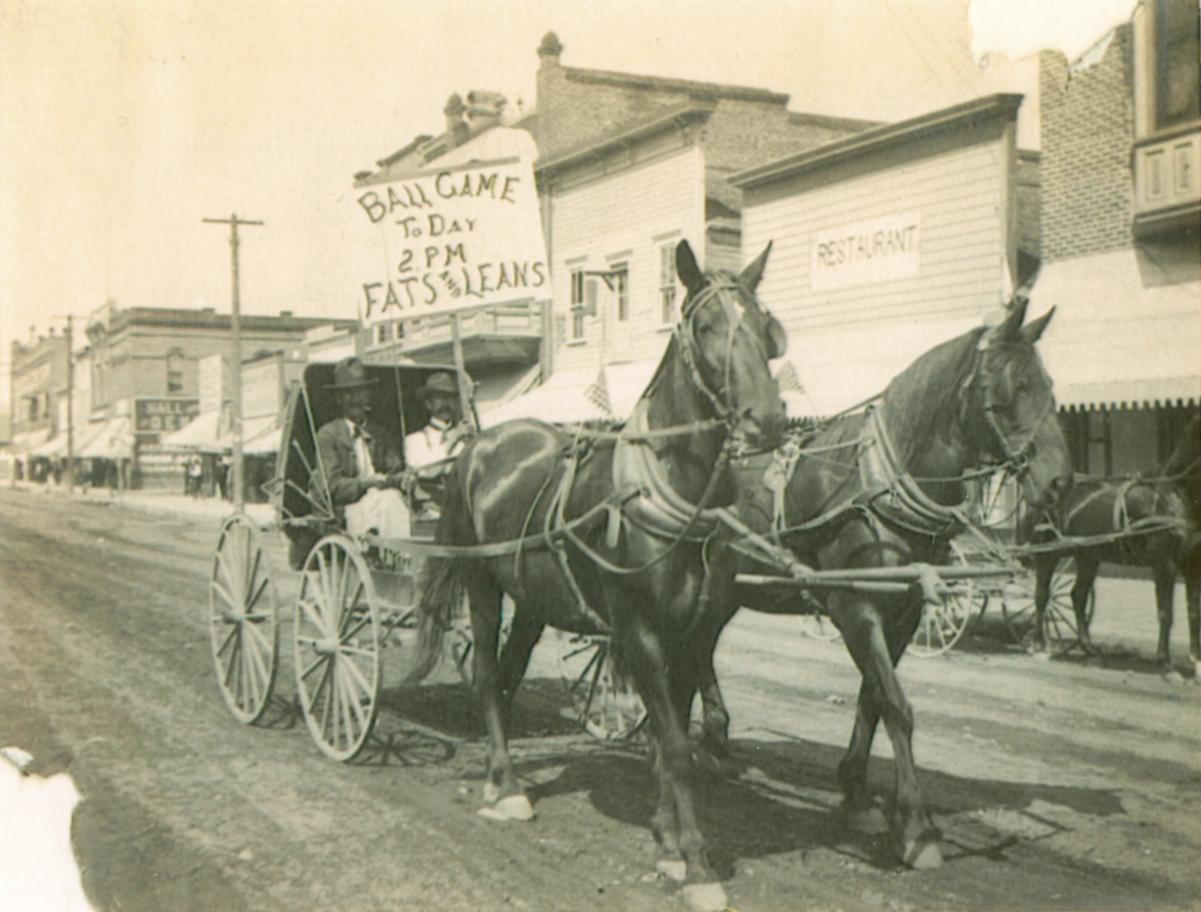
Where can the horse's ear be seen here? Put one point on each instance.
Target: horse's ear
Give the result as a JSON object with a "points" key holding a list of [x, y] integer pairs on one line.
{"points": [[690, 274], [1031, 332], [777, 339], [754, 272], [1009, 327]]}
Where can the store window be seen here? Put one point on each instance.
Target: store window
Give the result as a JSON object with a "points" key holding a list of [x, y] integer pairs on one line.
{"points": [[620, 277], [577, 305], [174, 371], [1177, 49], [667, 284]]}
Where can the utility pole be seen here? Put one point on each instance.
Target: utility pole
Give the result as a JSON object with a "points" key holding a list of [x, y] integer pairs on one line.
{"points": [[236, 325], [70, 406]]}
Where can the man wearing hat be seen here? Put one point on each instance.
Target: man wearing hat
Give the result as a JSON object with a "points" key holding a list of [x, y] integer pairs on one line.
{"points": [[428, 450], [362, 474]]}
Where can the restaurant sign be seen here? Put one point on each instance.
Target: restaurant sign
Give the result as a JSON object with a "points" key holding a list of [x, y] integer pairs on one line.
{"points": [[157, 416], [867, 253]]}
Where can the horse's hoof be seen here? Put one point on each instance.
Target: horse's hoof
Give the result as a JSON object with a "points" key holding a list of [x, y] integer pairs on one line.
{"points": [[921, 855], [1172, 676], [491, 792], [705, 897], [514, 807], [672, 868], [868, 821]]}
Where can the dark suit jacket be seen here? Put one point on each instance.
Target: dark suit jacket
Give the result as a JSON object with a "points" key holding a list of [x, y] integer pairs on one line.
{"points": [[335, 446]]}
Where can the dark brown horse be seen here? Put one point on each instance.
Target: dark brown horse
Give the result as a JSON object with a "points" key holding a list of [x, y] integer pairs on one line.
{"points": [[877, 490], [525, 478], [1147, 522]]}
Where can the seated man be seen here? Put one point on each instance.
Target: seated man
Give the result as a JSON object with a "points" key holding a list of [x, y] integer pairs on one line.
{"points": [[428, 451], [352, 456]]}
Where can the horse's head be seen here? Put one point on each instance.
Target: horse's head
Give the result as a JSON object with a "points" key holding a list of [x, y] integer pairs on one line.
{"points": [[1013, 407], [726, 339]]}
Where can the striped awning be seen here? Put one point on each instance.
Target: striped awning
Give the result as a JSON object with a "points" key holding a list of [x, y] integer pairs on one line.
{"points": [[1126, 331]]}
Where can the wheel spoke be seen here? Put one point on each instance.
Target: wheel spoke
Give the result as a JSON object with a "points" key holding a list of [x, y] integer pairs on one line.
{"points": [[229, 638], [257, 593], [348, 615], [233, 657], [320, 685], [356, 674], [309, 609], [226, 595], [259, 637], [355, 650]]}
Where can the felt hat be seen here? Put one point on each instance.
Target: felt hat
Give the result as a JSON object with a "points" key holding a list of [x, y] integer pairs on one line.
{"points": [[349, 373], [441, 382]]}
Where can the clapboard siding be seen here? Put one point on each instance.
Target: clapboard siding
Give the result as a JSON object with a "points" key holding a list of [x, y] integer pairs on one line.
{"points": [[624, 217], [960, 194]]}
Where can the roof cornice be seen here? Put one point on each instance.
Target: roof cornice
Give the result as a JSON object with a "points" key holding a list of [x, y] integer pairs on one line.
{"points": [[677, 115], [883, 137]]}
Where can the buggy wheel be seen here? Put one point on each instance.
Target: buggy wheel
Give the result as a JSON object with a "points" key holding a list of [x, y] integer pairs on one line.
{"points": [[243, 620], [603, 700], [942, 625], [336, 632], [1059, 619]]}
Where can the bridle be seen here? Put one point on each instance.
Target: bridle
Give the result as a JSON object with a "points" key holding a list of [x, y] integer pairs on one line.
{"points": [[685, 333], [1015, 459]]}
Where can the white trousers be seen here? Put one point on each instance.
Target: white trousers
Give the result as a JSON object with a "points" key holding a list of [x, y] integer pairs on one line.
{"points": [[382, 510]]}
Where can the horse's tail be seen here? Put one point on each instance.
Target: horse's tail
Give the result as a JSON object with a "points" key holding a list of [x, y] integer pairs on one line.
{"points": [[444, 580]]}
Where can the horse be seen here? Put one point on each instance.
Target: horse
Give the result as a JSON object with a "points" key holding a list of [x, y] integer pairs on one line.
{"points": [[875, 489], [636, 572], [1149, 522]]}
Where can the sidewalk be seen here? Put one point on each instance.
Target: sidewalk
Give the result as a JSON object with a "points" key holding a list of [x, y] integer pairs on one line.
{"points": [[160, 502]]}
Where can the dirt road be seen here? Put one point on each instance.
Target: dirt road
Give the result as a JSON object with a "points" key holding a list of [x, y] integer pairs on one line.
{"points": [[1058, 785]]}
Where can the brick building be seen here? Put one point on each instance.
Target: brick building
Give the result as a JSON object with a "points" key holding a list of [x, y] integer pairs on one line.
{"points": [[1121, 237], [628, 166], [39, 381], [145, 374]]}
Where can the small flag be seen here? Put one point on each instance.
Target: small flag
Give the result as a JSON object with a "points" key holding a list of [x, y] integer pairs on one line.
{"points": [[788, 381], [598, 393]]}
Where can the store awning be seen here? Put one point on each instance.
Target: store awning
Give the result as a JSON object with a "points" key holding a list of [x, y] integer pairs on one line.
{"points": [[112, 440], [1126, 331], [25, 441], [53, 448], [574, 395], [260, 436], [840, 368], [198, 434]]}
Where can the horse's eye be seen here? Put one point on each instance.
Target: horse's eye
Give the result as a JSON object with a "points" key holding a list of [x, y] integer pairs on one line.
{"points": [[703, 329]]}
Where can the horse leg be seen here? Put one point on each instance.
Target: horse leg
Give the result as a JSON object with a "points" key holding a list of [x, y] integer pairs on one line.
{"points": [[859, 811], [1192, 589], [1044, 569], [502, 791], [674, 822], [914, 837], [1082, 588], [1165, 591], [515, 659]]}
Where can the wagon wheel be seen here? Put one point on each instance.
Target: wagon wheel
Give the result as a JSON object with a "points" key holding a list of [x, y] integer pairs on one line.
{"points": [[336, 633], [1059, 620], [603, 700], [942, 625], [243, 620]]}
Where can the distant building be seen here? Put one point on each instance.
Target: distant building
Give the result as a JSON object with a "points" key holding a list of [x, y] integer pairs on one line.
{"points": [[39, 380], [1121, 237], [145, 372]]}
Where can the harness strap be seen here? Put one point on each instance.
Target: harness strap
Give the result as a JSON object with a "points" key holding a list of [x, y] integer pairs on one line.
{"points": [[556, 519]]}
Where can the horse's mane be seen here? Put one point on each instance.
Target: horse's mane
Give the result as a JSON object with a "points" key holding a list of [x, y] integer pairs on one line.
{"points": [[924, 398]]}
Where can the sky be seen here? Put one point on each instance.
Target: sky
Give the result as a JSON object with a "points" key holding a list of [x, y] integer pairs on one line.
{"points": [[124, 123]]}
